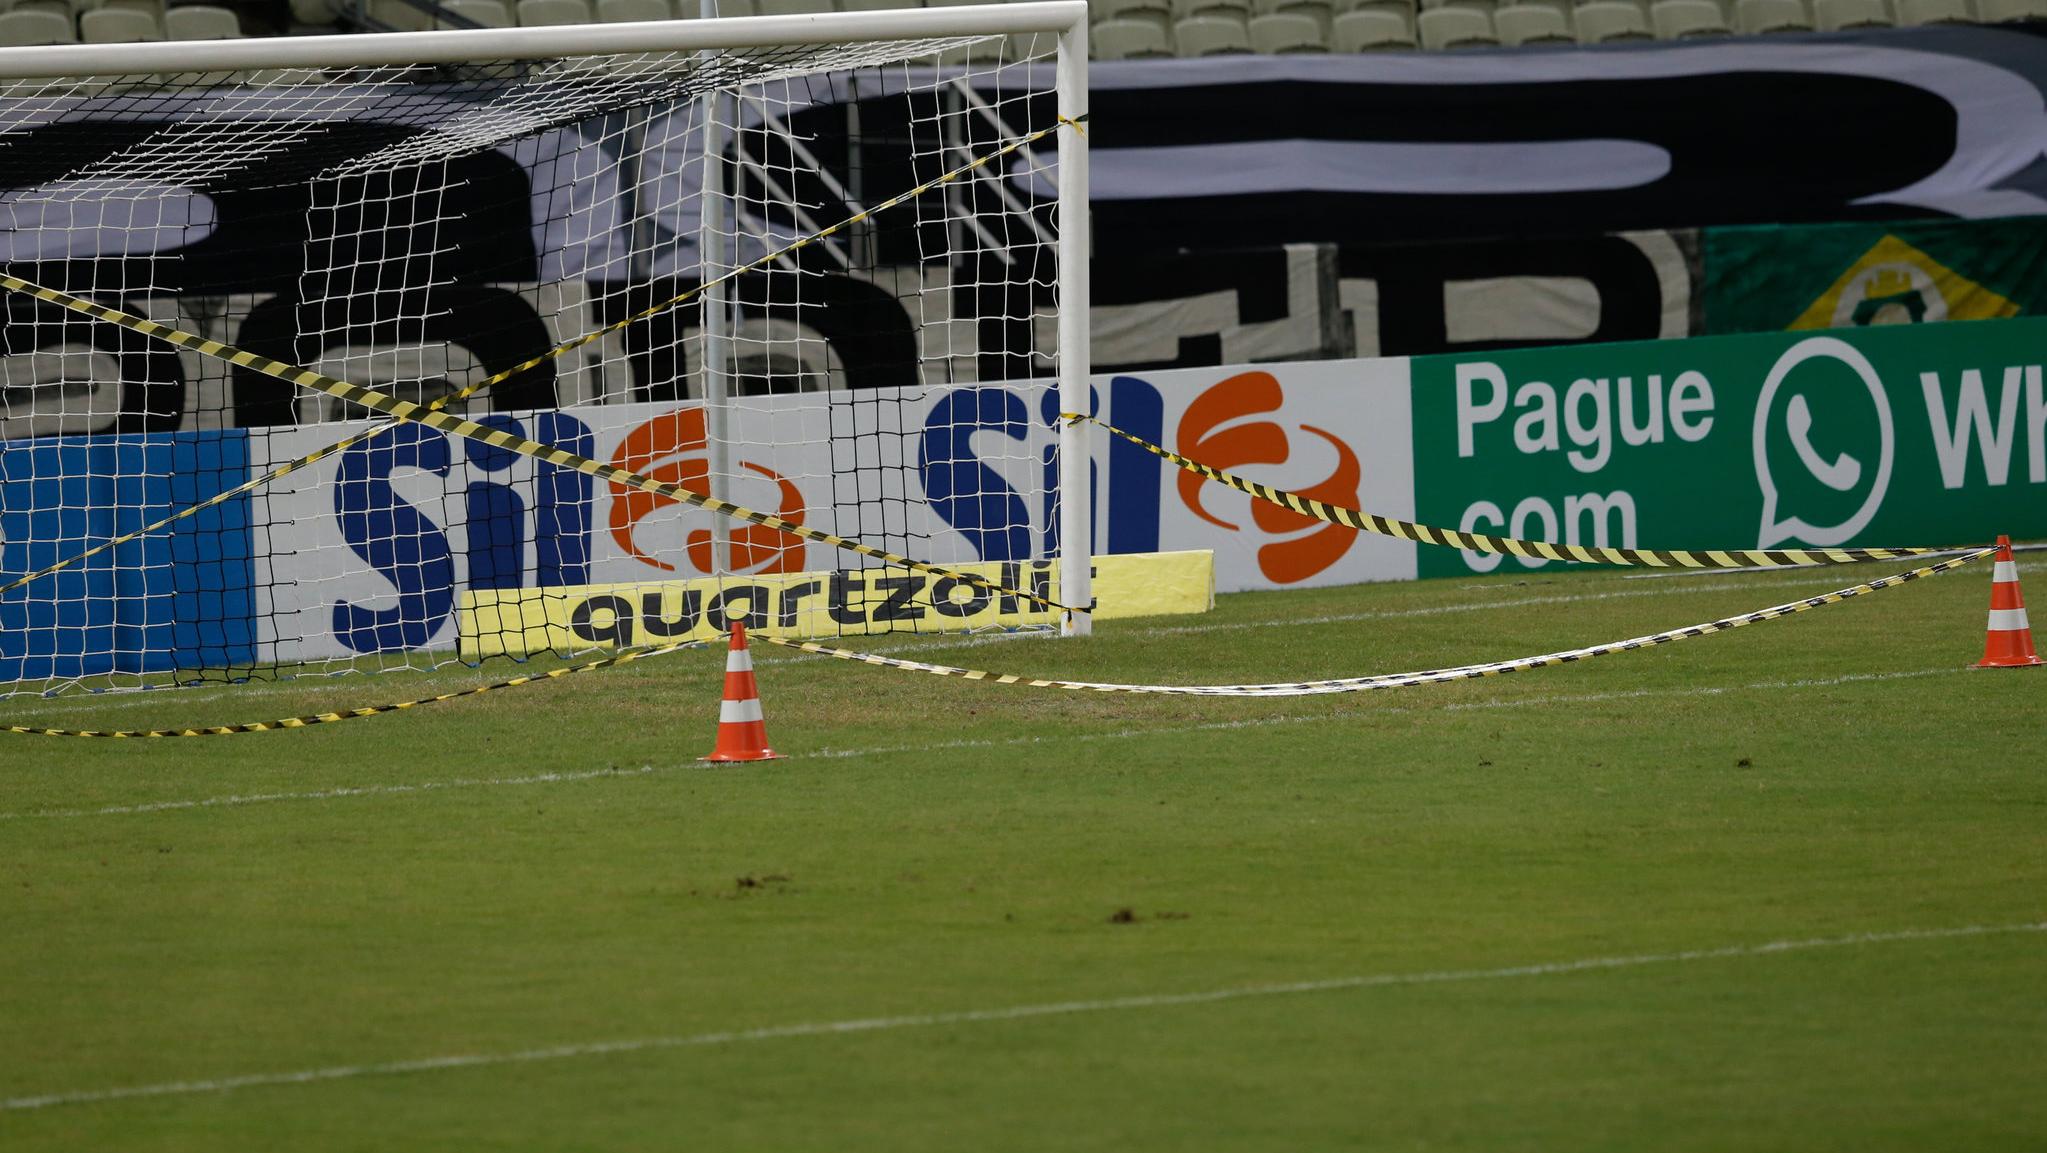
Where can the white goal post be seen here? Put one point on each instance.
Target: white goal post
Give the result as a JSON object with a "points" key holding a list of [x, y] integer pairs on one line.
{"points": [[856, 239]]}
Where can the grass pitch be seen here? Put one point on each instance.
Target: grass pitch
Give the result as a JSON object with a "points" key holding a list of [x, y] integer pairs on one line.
{"points": [[551, 868]]}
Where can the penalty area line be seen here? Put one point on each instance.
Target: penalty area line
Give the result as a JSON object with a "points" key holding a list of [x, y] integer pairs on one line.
{"points": [[1004, 1014]]}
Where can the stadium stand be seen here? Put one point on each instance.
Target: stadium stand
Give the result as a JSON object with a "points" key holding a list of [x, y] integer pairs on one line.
{"points": [[1122, 29]]}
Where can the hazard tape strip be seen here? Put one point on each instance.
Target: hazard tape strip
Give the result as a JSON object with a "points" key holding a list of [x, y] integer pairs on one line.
{"points": [[432, 416], [311, 719], [1284, 689], [1533, 549], [1402, 680]]}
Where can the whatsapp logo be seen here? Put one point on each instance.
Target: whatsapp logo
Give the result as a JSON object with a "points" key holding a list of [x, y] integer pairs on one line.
{"points": [[1824, 444]]}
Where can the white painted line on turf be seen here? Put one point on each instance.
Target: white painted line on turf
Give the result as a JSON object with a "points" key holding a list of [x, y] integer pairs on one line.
{"points": [[1008, 1013], [95, 702], [1565, 699], [330, 794], [1395, 710], [1475, 606]]}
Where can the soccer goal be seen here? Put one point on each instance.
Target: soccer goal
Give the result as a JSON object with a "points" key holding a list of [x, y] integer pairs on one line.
{"points": [[766, 319]]}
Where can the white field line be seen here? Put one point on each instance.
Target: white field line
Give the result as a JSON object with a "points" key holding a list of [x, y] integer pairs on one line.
{"points": [[1392, 710], [1481, 606], [236, 800], [233, 801], [1007, 1013]]}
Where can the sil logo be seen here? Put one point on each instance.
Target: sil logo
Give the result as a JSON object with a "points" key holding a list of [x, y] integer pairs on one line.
{"points": [[1217, 430], [671, 447]]}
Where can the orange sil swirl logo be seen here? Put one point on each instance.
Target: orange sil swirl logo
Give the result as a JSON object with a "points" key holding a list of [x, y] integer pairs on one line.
{"points": [[1207, 435], [671, 447]]}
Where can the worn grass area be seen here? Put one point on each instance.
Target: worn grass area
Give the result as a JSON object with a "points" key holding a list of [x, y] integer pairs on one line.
{"points": [[414, 886]]}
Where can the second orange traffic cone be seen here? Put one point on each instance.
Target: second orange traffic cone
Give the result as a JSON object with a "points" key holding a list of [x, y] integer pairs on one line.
{"points": [[2009, 644], [742, 732]]}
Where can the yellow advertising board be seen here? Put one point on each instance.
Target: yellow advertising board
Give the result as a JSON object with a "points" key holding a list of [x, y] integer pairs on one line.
{"points": [[516, 622]]}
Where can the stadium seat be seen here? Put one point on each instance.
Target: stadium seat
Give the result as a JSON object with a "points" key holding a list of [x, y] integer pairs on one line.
{"points": [[400, 15], [1237, 10], [201, 22], [24, 29], [314, 11], [1401, 8], [1519, 24], [1128, 40], [1320, 11], [1678, 19], [2006, 11], [1371, 30], [1485, 6], [1210, 36], [547, 13], [498, 14], [1833, 15], [1443, 28], [1282, 32], [791, 7], [1604, 22], [1159, 12], [151, 8], [1756, 17], [117, 26], [1914, 13]]}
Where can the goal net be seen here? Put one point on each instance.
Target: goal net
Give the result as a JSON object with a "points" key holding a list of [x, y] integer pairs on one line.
{"points": [[827, 269]]}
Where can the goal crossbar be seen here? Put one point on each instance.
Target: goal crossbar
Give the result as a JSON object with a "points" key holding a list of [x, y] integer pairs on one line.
{"points": [[385, 49]]}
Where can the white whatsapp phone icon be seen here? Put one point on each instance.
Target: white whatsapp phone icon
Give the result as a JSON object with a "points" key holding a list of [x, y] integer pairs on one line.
{"points": [[1842, 474]]}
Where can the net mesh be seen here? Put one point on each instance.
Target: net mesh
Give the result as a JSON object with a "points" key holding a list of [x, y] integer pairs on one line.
{"points": [[425, 230]]}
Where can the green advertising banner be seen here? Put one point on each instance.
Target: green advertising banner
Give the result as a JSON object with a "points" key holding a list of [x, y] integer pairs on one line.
{"points": [[1889, 436], [1773, 279]]}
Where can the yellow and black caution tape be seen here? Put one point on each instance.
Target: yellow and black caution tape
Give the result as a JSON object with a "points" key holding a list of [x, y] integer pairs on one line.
{"points": [[1280, 689], [497, 438], [400, 410], [311, 719], [1402, 680], [1533, 549]]}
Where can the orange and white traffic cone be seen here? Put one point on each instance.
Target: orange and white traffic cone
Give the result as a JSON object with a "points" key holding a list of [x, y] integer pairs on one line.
{"points": [[2009, 644], [742, 733]]}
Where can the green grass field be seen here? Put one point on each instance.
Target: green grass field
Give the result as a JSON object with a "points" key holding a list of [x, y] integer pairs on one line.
{"points": [[965, 916]]}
